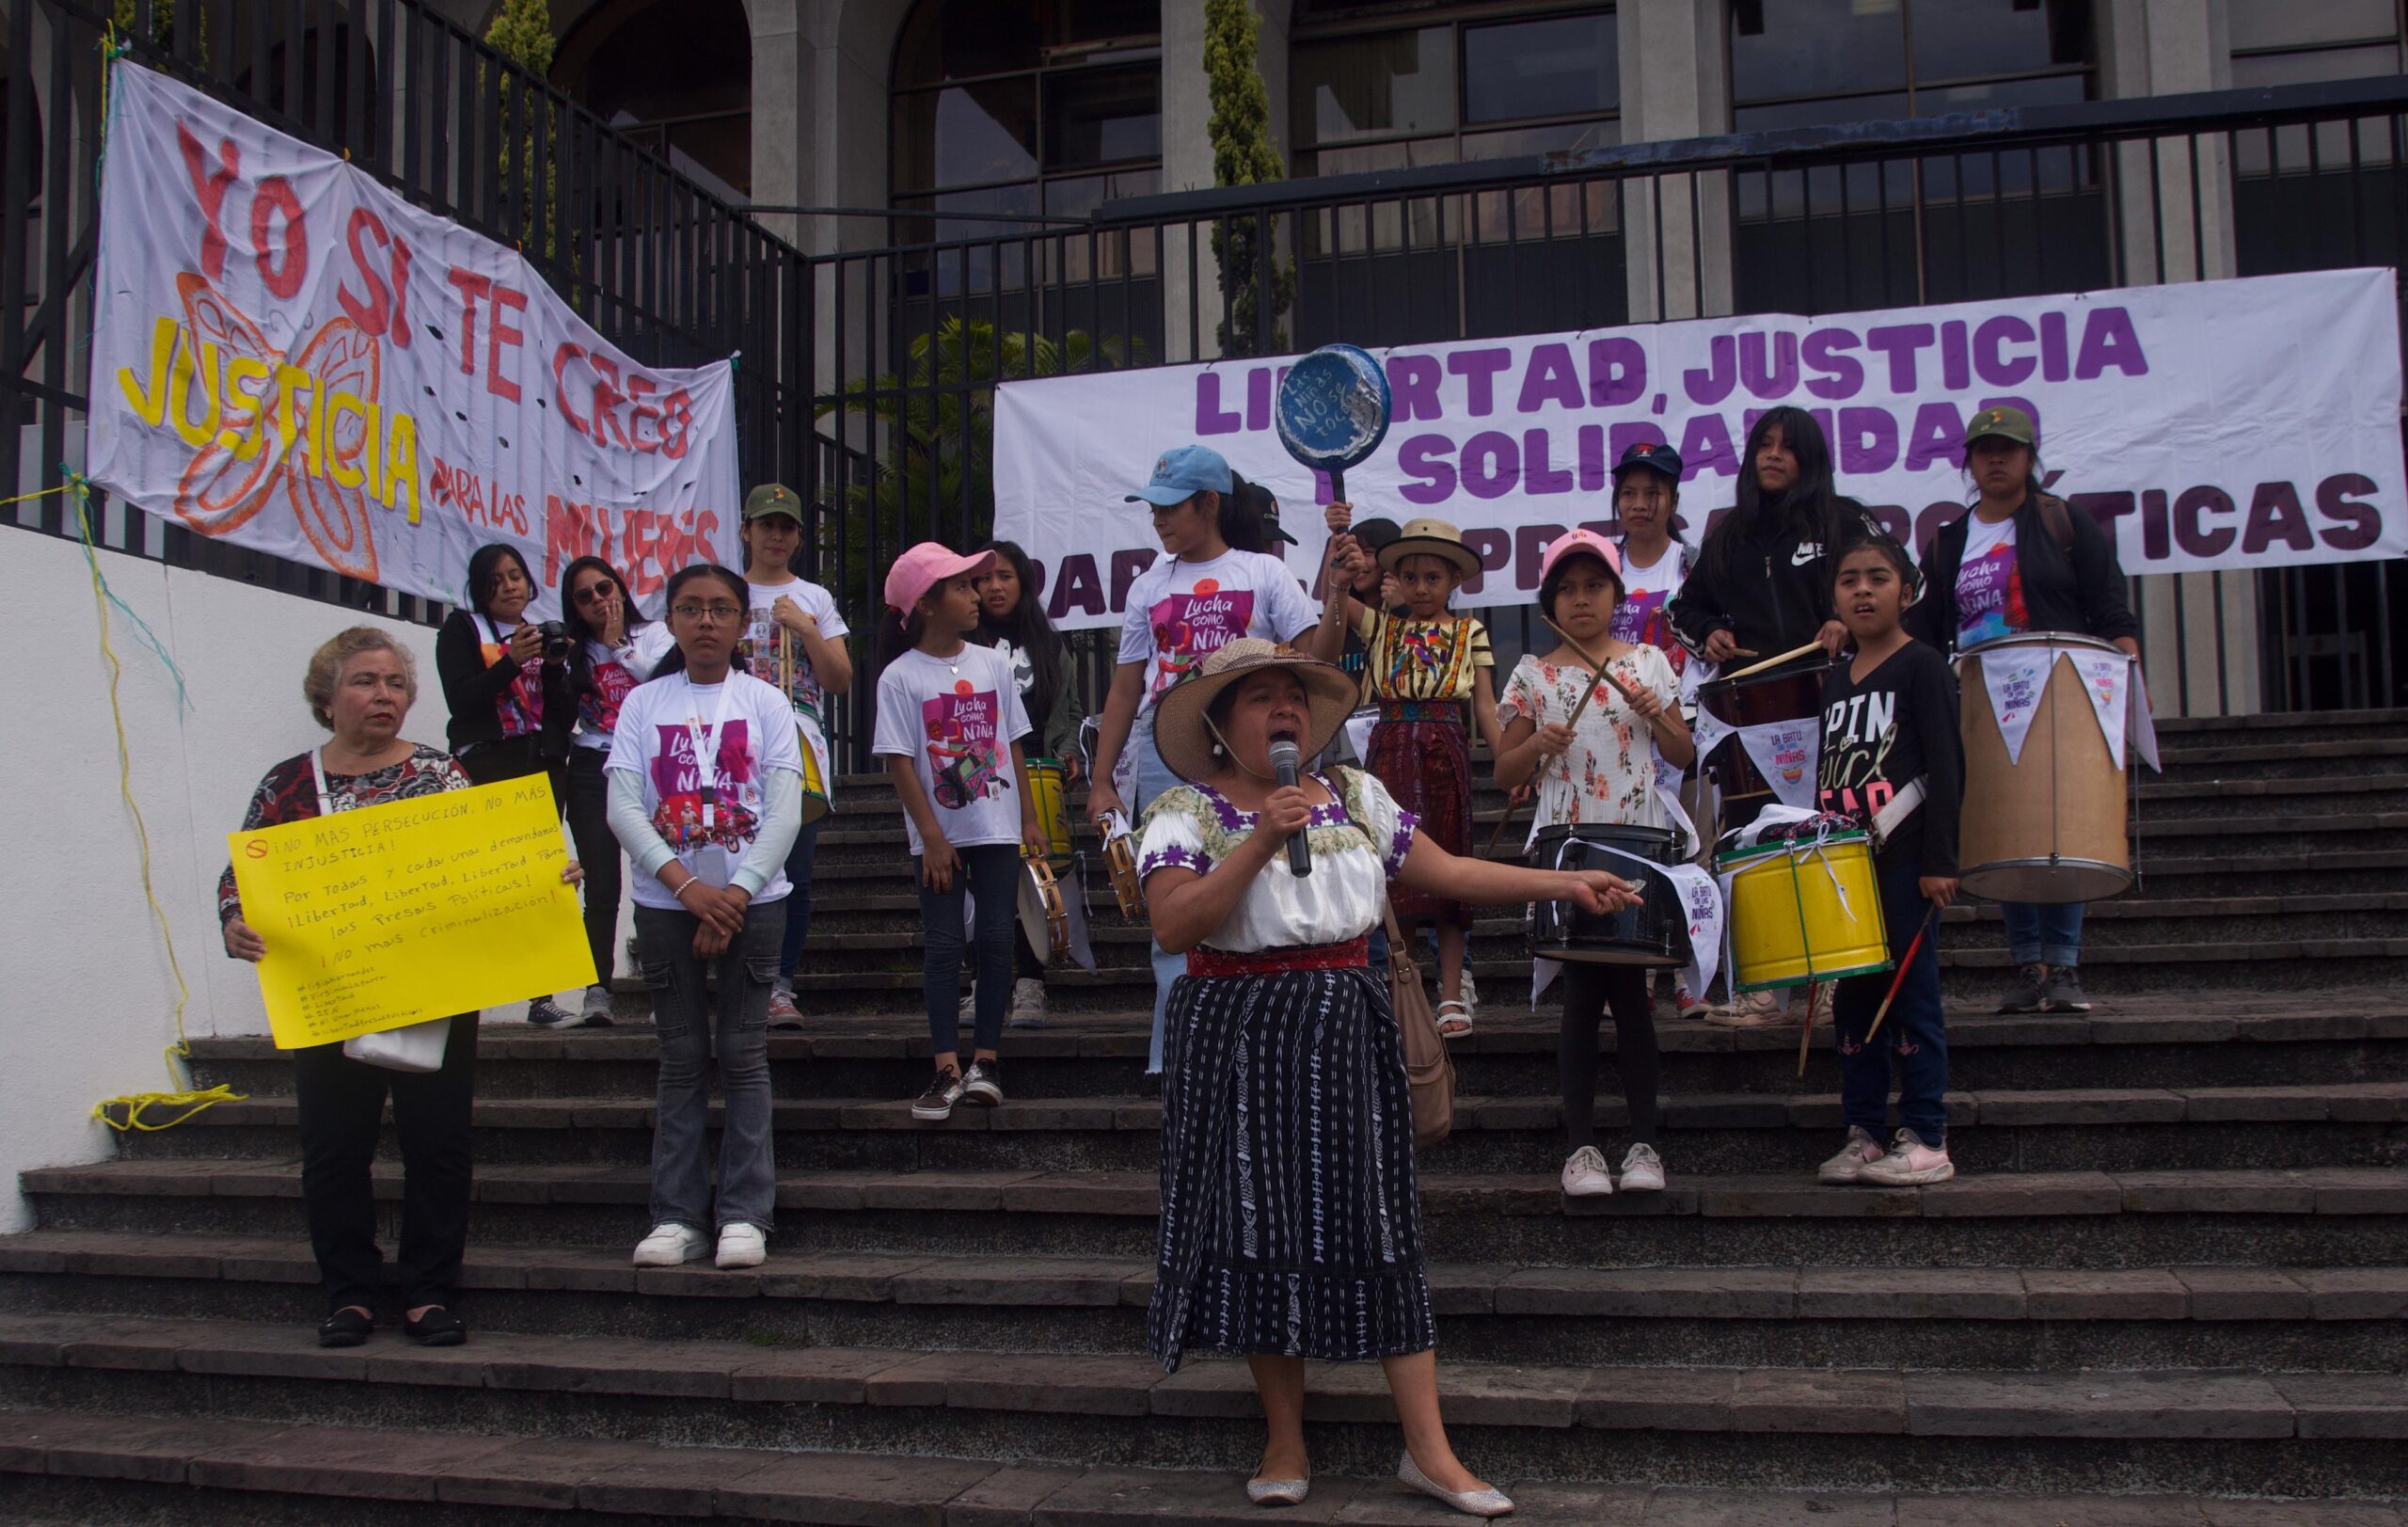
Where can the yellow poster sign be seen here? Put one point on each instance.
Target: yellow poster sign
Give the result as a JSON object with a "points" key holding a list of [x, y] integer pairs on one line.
{"points": [[412, 910]]}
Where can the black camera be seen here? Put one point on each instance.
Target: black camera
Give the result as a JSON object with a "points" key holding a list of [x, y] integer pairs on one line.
{"points": [[556, 642]]}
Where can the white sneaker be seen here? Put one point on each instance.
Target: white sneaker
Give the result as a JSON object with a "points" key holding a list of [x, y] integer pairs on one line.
{"points": [[1861, 1152], [1909, 1164], [1643, 1170], [1028, 1003], [1750, 1010], [1584, 1175], [742, 1246], [671, 1246], [597, 1008]]}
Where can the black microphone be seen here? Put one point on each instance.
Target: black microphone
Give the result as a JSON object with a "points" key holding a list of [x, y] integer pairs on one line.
{"points": [[1285, 761]]}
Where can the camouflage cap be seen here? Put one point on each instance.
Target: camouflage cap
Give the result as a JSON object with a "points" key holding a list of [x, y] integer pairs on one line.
{"points": [[2002, 422], [772, 498]]}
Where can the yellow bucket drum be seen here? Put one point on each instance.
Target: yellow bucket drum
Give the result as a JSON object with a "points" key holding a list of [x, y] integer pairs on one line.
{"points": [[1049, 784], [1803, 912]]}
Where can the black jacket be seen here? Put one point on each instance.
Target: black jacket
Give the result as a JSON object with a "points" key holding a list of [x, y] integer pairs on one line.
{"points": [[2078, 589], [474, 690], [1771, 599]]}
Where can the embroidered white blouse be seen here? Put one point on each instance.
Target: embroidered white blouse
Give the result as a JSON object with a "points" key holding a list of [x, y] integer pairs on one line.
{"points": [[1195, 827]]}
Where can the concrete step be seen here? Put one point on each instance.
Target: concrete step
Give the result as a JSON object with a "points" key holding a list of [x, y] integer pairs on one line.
{"points": [[2030, 1319], [76, 1468], [2179, 1429], [2342, 1035], [2324, 1216], [2128, 1129]]}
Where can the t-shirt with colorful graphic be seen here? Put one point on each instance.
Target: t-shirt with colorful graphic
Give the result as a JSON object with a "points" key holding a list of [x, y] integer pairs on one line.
{"points": [[1180, 612], [956, 719], [707, 810], [521, 705], [617, 670], [1990, 586], [1644, 617], [788, 668]]}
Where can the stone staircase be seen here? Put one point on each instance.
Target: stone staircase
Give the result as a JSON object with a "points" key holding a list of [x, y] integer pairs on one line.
{"points": [[2170, 1284]]}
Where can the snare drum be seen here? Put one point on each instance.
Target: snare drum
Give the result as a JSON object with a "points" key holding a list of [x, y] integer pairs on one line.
{"points": [[1120, 857], [1044, 917], [1049, 789], [1792, 692], [2049, 825], [1804, 912], [1654, 931]]}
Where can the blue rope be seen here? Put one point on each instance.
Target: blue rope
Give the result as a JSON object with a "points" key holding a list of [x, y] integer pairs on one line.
{"points": [[82, 487]]}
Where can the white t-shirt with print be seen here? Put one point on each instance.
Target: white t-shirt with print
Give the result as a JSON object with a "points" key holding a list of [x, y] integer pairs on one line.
{"points": [[617, 671], [761, 636], [1990, 586], [1180, 612], [956, 719], [747, 730]]}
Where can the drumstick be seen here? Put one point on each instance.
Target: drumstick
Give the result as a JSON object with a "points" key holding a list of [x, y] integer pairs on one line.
{"points": [[1814, 994], [1772, 662], [1900, 979], [1743, 652], [1622, 688]]}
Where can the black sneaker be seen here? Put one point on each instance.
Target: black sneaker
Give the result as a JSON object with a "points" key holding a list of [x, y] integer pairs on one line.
{"points": [[346, 1326], [2063, 993], [985, 1083], [944, 1089], [2024, 992], [544, 1012]]}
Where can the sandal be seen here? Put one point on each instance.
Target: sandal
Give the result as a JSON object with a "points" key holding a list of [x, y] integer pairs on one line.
{"points": [[1453, 1011]]}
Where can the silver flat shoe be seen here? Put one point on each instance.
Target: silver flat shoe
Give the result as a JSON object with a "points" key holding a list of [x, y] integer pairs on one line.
{"points": [[1487, 1502], [1277, 1491]]}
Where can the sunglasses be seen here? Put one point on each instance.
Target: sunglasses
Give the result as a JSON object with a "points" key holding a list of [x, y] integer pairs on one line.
{"points": [[594, 592]]}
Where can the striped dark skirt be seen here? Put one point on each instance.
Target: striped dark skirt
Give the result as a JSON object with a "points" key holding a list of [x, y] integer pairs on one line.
{"points": [[1427, 766], [1291, 1213]]}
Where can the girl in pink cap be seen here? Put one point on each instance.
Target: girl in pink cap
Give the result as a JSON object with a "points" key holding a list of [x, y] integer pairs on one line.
{"points": [[1603, 771], [949, 727]]}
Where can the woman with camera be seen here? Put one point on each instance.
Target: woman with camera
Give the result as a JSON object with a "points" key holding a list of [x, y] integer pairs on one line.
{"points": [[506, 681]]}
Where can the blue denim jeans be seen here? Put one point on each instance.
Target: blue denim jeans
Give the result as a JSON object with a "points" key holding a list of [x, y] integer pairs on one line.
{"points": [[1914, 1034], [2039, 934], [991, 873], [693, 1024], [1152, 778], [798, 902]]}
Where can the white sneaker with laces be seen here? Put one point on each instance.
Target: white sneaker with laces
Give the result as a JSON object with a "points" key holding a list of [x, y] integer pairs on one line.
{"points": [[1643, 1170], [1909, 1164], [1584, 1175], [1861, 1152], [671, 1246], [742, 1246], [1028, 1004]]}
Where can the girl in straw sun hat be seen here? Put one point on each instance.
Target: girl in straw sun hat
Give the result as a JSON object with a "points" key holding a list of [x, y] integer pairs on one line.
{"points": [[1291, 1220]]}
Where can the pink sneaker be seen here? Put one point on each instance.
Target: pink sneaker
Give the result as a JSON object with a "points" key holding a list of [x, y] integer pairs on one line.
{"points": [[1861, 1152], [1909, 1164]]}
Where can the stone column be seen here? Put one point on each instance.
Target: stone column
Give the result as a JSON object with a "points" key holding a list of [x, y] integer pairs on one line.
{"points": [[2182, 232], [1675, 84]]}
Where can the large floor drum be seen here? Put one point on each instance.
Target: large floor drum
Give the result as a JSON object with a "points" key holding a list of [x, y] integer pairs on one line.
{"points": [[2052, 825]]}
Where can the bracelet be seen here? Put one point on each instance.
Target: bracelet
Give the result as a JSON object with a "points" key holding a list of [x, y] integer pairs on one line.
{"points": [[682, 885]]}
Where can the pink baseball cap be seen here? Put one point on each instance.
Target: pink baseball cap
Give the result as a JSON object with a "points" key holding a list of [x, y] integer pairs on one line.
{"points": [[925, 566], [1581, 543]]}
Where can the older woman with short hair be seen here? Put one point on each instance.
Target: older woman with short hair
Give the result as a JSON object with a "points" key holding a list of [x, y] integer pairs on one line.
{"points": [[361, 686]]}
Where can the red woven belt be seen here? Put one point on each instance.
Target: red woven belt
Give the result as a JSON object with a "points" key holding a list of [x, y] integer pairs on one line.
{"points": [[1352, 954]]}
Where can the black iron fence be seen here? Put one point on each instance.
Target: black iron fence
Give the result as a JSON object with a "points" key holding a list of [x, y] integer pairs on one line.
{"points": [[868, 375]]}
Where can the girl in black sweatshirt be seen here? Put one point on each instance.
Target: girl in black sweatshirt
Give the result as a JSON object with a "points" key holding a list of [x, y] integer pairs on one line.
{"points": [[1889, 727]]}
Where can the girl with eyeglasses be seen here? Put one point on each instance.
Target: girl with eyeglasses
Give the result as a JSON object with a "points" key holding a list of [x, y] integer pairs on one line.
{"points": [[706, 788], [615, 649]]}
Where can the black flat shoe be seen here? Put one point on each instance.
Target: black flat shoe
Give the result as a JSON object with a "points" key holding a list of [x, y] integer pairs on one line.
{"points": [[346, 1326], [438, 1326]]}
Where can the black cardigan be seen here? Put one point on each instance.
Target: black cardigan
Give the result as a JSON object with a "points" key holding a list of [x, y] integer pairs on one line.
{"points": [[2079, 590], [474, 692]]}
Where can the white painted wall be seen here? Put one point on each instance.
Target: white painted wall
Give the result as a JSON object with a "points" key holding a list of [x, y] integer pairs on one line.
{"points": [[86, 1000]]}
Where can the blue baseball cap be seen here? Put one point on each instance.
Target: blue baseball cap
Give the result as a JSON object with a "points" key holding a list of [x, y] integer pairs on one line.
{"points": [[1182, 473], [1652, 455]]}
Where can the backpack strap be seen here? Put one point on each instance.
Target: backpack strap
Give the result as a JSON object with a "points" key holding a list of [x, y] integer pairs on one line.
{"points": [[2059, 520]]}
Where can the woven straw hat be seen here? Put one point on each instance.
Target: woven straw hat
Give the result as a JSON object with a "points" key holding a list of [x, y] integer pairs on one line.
{"points": [[1430, 539], [1179, 733]]}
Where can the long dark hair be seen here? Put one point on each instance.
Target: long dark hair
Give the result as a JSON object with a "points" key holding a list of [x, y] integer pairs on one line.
{"points": [[580, 631], [1027, 629], [675, 662], [1243, 509], [484, 574], [899, 631], [1810, 508]]}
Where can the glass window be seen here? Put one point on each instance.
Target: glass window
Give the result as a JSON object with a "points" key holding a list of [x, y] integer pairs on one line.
{"points": [[1968, 38], [1103, 117], [968, 134], [1397, 83], [1797, 63], [677, 73], [2292, 23], [1560, 66], [2254, 70]]}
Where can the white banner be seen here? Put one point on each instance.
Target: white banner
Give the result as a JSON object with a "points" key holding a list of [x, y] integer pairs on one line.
{"points": [[289, 357], [1785, 754], [2017, 678], [2106, 677], [2192, 419]]}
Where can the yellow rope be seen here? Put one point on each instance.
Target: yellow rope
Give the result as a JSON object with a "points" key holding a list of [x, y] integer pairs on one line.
{"points": [[184, 1096]]}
